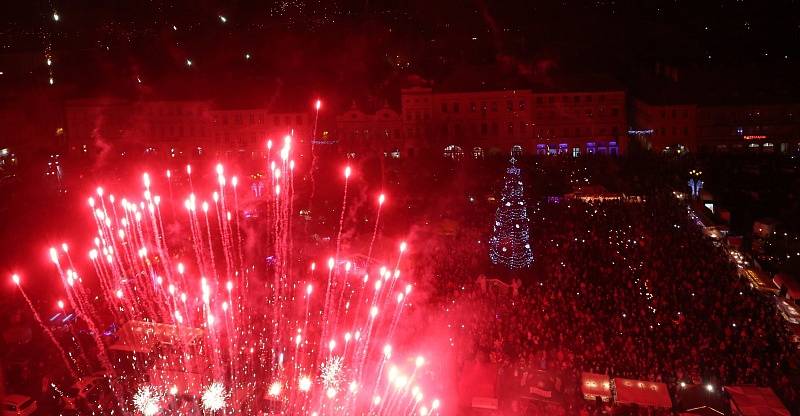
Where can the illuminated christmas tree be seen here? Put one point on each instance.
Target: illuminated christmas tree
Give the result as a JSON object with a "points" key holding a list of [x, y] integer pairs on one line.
{"points": [[510, 242]]}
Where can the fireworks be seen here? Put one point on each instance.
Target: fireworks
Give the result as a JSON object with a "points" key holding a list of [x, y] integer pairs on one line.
{"points": [[212, 325], [215, 397], [331, 374], [147, 401]]}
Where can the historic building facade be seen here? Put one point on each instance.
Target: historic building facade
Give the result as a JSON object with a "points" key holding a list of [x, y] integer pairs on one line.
{"points": [[718, 127]]}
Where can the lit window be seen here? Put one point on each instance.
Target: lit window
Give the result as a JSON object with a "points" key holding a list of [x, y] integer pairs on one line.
{"points": [[454, 152]]}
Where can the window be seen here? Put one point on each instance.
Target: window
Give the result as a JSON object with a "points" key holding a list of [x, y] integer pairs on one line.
{"points": [[453, 152], [455, 107], [495, 128], [444, 107], [523, 128], [522, 105], [477, 153], [484, 129], [510, 128], [516, 151], [472, 107], [576, 151], [494, 106], [509, 106]]}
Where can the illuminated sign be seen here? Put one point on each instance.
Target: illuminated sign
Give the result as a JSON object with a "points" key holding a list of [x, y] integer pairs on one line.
{"points": [[754, 137]]}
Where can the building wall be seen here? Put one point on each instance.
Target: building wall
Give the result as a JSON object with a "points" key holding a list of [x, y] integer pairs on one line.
{"points": [[247, 130], [381, 131], [172, 127], [580, 122], [550, 123], [770, 128], [671, 125]]}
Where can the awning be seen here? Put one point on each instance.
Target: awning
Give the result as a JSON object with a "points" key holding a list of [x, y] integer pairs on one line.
{"points": [[790, 282], [697, 399], [595, 385], [144, 336], [184, 383], [643, 393], [755, 401]]}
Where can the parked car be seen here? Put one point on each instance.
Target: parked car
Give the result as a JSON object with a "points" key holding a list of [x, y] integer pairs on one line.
{"points": [[18, 405]]}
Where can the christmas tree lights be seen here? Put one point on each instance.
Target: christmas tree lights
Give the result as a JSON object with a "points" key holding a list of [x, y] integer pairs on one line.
{"points": [[510, 242]]}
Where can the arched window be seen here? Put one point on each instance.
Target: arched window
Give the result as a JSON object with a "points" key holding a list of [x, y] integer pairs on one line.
{"points": [[516, 151], [477, 153], [454, 152]]}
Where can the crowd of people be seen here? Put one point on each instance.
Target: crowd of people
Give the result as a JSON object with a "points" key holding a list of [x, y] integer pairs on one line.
{"points": [[631, 290]]}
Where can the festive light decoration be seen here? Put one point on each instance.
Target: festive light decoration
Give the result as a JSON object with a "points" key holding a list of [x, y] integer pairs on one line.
{"points": [[510, 242], [695, 183]]}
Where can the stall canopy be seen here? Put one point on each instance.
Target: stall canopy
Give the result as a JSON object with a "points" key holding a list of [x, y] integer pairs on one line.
{"points": [[144, 336], [183, 382], [643, 393], [699, 400], [595, 385], [790, 283], [755, 401]]}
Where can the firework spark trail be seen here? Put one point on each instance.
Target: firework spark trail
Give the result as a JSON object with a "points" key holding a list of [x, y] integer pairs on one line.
{"points": [[244, 281], [270, 335], [381, 200], [210, 242], [196, 233], [344, 209], [318, 104], [47, 331]]}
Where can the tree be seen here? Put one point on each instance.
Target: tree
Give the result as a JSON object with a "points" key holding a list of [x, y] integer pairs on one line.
{"points": [[510, 244]]}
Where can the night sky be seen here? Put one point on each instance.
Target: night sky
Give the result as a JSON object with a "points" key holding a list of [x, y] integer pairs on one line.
{"points": [[246, 49]]}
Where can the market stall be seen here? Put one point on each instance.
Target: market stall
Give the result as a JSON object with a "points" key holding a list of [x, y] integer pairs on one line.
{"points": [[642, 393], [755, 401], [703, 400], [595, 385]]}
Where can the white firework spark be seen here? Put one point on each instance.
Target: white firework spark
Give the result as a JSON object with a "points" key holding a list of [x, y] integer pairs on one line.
{"points": [[215, 397], [331, 372], [147, 401]]}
